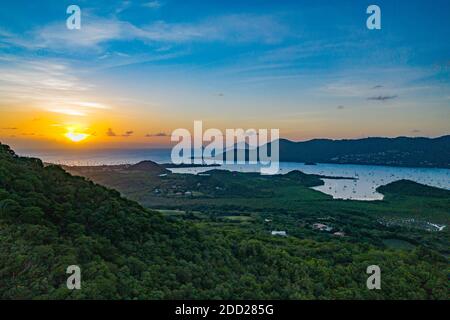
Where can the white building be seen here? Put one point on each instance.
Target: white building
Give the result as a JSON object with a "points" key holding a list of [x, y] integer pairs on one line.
{"points": [[322, 227], [279, 233]]}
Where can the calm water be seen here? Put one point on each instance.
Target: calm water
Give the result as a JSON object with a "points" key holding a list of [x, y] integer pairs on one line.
{"points": [[99, 157], [368, 178]]}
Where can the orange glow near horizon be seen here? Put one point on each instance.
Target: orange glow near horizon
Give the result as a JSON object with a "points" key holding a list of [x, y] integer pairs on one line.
{"points": [[33, 127], [98, 128]]}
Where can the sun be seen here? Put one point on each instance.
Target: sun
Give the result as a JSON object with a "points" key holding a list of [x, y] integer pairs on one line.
{"points": [[75, 136]]}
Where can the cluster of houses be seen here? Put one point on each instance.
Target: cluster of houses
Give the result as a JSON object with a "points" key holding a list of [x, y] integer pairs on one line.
{"points": [[327, 228], [322, 227], [186, 193], [316, 226], [275, 232], [158, 191]]}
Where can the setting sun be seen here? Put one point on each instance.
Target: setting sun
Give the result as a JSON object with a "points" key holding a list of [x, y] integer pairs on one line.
{"points": [[76, 136]]}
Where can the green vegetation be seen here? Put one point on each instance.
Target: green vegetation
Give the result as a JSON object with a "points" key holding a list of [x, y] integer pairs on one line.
{"points": [[398, 244], [210, 241], [411, 188], [401, 151]]}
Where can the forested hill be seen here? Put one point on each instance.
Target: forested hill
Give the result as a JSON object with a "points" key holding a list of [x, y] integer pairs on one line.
{"points": [[411, 188], [401, 151], [50, 220]]}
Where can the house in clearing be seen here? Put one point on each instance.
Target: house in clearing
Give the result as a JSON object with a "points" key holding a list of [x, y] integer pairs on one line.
{"points": [[322, 227], [279, 233]]}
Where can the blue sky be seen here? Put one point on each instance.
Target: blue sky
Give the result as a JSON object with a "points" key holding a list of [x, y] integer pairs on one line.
{"points": [[310, 68]]}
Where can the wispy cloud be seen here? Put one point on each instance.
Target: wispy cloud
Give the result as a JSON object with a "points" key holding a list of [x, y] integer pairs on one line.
{"points": [[152, 4], [159, 134], [50, 85], [95, 31], [94, 105], [92, 33], [38, 81], [383, 98], [39, 74], [380, 84], [111, 133], [128, 133], [69, 112], [124, 5]]}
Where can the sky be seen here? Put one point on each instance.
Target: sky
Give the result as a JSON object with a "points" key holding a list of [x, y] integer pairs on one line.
{"points": [[137, 70]]}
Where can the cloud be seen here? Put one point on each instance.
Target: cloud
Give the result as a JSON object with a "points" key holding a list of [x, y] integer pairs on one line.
{"points": [[354, 84], [66, 111], [128, 133], [301, 51], [152, 4], [40, 82], [94, 105], [230, 28], [93, 32], [110, 133], [123, 6], [382, 98], [52, 85], [159, 134], [344, 90], [96, 31]]}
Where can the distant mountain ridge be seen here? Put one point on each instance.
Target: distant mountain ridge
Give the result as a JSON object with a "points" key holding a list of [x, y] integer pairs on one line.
{"points": [[400, 151]]}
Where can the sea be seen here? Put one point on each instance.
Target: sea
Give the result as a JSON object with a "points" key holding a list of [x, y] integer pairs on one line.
{"points": [[361, 184]]}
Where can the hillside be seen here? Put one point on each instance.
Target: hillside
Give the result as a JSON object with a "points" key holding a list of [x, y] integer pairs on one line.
{"points": [[401, 151], [148, 166], [411, 188], [50, 219]]}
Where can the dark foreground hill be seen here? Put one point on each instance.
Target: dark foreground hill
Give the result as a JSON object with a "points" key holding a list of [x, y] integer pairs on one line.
{"points": [[50, 220]]}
